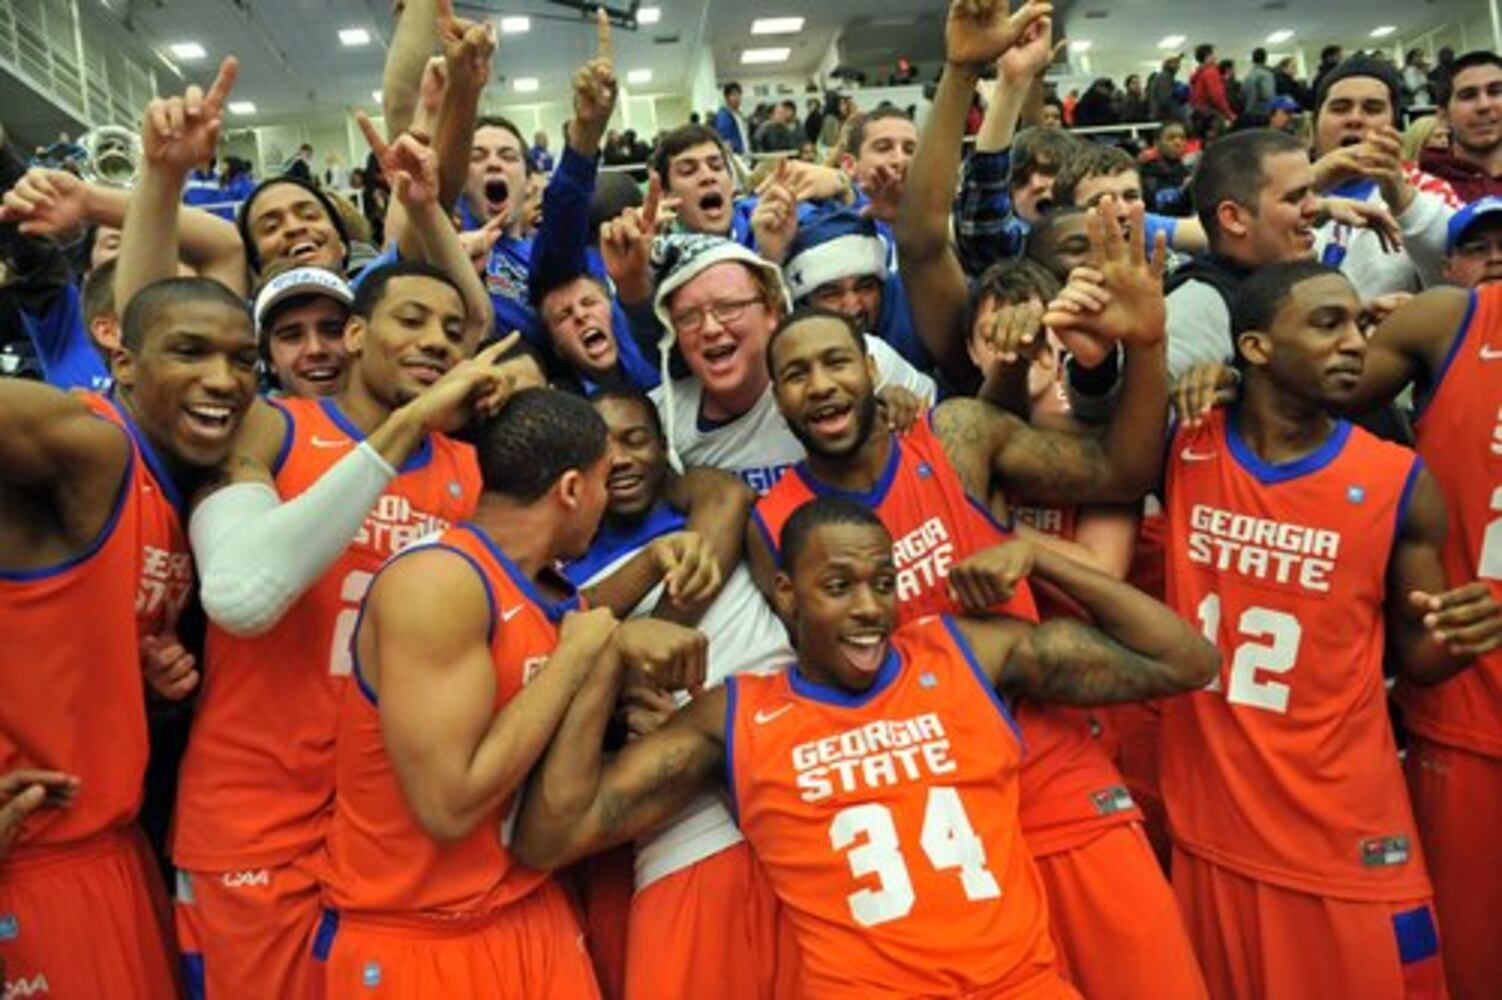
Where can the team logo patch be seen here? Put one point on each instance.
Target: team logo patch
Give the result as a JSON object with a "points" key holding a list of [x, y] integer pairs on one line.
{"points": [[371, 975], [1356, 494], [454, 490], [1379, 852], [1112, 800], [927, 680], [10, 927], [924, 472]]}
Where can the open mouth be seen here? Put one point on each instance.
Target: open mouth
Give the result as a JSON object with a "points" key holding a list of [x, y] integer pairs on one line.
{"points": [[426, 372], [624, 482], [831, 419], [1351, 139], [596, 343], [210, 420], [497, 191], [864, 651], [712, 203], [321, 377], [719, 356], [302, 250]]}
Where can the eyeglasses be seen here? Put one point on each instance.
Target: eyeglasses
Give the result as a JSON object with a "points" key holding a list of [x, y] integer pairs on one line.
{"points": [[725, 313]]}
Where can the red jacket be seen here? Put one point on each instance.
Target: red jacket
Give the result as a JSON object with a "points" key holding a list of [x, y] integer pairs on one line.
{"points": [[1207, 91], [1469, 181]]}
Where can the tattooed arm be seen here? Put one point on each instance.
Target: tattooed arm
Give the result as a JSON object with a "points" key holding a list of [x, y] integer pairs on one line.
{"points": [[1138, 648], [578, 804], [1061, 467]]}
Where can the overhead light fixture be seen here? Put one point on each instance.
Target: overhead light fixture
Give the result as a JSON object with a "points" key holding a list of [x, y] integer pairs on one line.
{"points": [[1171, 42], [753, 57], [525, 84], [242, 107], [515, 25], [648, 15], [1279, 37], [375, 95], [639, 76], [188, 51], [1383, 31], [776, 25], [1082, 45], [354, 37]]}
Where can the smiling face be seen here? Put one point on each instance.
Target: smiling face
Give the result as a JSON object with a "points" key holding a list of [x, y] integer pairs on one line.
{"points": [[841, 594], [414, 335], [286, 222], [577, 317], [192, 378], [825, 386], [638, 458], [699, 177], [857, 298], [1353, 107], [305, 341], [1281, 228], [497, 181], [727, 352]]}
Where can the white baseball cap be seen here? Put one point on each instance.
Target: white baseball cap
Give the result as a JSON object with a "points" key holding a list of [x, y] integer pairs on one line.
{"points": [[300, 281]]}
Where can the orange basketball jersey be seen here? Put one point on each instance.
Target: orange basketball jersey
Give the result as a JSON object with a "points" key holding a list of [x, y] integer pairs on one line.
{"points": [[1284, 768], [74, 699], [1459, 435], [934, 523], [257, 781], [380, 860], [166, 561], [1070, 791], [887, 823]]}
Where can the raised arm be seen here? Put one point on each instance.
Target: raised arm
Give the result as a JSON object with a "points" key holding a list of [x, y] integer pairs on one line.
{"points": [[427, 649], [178, 134], [1433, 631], [975, 34], [1137, 649], [577, 804], [468, 49], [413, 171], [414, 39]]}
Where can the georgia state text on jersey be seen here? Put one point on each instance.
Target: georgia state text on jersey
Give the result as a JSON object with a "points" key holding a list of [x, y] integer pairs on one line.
{"points": [[257, 780], [886, 821], [1284, 768]]}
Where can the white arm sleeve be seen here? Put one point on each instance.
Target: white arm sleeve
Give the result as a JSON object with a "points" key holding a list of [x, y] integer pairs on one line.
{"points": [[257, 555], [893, 369]]}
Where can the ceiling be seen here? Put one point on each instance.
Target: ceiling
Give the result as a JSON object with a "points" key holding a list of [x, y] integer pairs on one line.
{"points": [[292, 60], [1132, 28]]}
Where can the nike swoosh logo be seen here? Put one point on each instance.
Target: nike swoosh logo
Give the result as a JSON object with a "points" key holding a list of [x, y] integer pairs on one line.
{"points": [[319, 442], [762, 718], [1190, 455], [1490, 354], [509, 613]]}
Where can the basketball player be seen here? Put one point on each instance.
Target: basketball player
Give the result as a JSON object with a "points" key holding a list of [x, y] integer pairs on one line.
{"points": [[876, 778], [317, 493], [1445, 342], [84, 500], [1299, 542], [466, 660], [1438, 343], [1118, 929], [700, 897]]}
